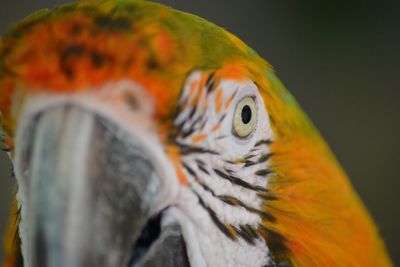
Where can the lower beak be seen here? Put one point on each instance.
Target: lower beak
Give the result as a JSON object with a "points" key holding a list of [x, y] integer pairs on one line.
{"points": [[91, 191]]}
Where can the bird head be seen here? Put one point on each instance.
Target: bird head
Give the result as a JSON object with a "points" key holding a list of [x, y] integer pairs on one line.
{"points": [[145, 136]]}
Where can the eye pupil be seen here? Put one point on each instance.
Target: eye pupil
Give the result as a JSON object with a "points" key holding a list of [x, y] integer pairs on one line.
{"points": [[246, 114]]}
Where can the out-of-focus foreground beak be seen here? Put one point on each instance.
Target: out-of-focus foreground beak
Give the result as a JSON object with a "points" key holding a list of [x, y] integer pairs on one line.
{"points": [[91, 190]]}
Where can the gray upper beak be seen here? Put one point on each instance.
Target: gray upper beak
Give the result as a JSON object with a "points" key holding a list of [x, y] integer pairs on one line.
{"points": [[91, 193]]}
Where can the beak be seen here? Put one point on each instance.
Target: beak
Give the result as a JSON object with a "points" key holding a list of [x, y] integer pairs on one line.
{"points": [[91, 191]]}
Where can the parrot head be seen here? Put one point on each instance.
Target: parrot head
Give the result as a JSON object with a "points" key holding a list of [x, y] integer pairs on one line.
{"points": [[145, 136]]}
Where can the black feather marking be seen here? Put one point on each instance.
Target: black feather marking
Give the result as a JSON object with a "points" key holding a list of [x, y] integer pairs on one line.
{"points": [[183, 100], [179, 126], [178, 111], [236, 180], [230, 171], [188, 169], [200, 162], [203, 169], [192, 112], [222, 118], [264, 158], [187, 133], [263, 172], [280, 264], [249, 157], [197, 120], [203, 124], [210, 83], [231, 200], [221, 226], [249, 163], [276, 243], [263, 142], [188, 149], [251, 230], [265, 215], [267, 196], [242, 232], [248, 233], [236, 202], [204, 186], [196, 178], [192, 127]]}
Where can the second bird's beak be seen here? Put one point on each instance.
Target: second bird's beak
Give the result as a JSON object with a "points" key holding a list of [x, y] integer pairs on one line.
{"points": [[91, 190]]}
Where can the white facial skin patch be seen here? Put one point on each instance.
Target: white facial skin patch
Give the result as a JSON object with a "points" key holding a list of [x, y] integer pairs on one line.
{"points": [[227, 171]]}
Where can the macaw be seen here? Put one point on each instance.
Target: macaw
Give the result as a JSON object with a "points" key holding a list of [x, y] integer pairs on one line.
{"points": [[145, 136]]}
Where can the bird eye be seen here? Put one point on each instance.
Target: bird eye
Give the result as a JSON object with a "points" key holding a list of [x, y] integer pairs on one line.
{"points": [[245, 118]]}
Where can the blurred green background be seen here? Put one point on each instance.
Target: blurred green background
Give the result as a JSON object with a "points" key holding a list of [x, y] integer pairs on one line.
{"points": [[341, 60]]}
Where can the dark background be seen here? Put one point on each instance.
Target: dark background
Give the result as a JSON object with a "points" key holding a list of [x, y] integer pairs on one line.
{"points": [[341, 60]]}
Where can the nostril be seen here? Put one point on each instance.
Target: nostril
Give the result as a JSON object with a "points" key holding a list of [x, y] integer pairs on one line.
{"points": [[131, 100]]}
